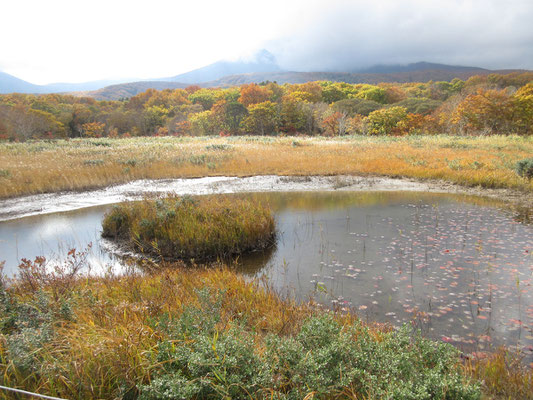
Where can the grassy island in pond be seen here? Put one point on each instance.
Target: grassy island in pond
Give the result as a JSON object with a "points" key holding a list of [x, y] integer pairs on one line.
{"points": [[186, 228]]}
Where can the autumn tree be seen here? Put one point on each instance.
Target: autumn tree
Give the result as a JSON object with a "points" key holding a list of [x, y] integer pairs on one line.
{"points": [[309, 91], [351, 107], [254, 94], [205, 97], [154, 118], [420, 105], [201, 124], [371, 92], [386, 121], [487, 111], [335, 124], [93, 129], [293, 115], [262, 118], [523, 105], [228, 115]]}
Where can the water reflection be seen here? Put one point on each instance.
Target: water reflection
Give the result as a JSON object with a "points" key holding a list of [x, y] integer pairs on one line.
{"points": [[458, 267], [52, 236]]}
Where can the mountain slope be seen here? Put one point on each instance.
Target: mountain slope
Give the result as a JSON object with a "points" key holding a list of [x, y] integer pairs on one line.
{"points": [[126, 90], [420, 66], [10, 83], [130, 89], [371, 78], [263, 61]]}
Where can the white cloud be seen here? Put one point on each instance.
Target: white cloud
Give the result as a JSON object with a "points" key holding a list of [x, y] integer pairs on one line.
{"points": [[67, 40], [487, 33]]}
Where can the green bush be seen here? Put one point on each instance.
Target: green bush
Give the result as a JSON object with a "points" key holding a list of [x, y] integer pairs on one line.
{"points": [[524, 168], [202, 360], [187, 228]]}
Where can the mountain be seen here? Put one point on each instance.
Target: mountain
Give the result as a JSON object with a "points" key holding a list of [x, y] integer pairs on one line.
{"points": [[126, 90], [420, 66], [370, 78], [261, 67], [12, 84], [262, 61], [9, 84], [421, 75]]}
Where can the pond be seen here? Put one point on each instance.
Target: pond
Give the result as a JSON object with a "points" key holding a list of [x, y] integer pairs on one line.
{"points": [[460, 268]]}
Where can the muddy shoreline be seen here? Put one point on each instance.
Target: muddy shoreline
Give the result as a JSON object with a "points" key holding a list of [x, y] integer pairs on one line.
{"points": [[20, 207]]}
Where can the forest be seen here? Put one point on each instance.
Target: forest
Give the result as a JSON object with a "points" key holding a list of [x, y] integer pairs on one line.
{"points": [[481, 105]]}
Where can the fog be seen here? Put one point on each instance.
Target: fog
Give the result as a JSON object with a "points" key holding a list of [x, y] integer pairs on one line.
{"points": [[65, 41], [349, 35]]}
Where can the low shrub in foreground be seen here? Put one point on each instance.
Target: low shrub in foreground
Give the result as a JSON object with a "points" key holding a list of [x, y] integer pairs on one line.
{"points": [[207, 333], [199, 228], [324, 359]]}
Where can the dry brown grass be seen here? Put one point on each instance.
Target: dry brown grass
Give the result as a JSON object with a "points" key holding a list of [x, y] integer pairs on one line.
{"points": [[114, 326], [40, 167], [503, 375]]}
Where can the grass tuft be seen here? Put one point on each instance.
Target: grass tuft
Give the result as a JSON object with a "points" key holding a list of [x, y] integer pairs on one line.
{"points": [[191, 228]]}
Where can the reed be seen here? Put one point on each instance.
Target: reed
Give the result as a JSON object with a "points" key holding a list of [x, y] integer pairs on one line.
{"points": [[81, 164], [191, 228]]}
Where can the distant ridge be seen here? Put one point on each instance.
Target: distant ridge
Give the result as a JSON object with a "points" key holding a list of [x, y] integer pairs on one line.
{"points": [[259, 68], [12, 84], [424, 75], [126, 90], [419, 66], [262, 61]]}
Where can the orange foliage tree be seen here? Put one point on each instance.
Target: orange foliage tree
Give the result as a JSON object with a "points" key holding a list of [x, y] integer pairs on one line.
{"points": [[485, 112], [254, 94]]}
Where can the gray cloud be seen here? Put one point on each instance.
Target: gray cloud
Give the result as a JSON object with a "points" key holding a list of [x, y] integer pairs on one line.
{"points": [[349, 35]]}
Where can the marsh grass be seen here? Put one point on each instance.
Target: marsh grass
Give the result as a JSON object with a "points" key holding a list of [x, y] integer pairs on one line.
{"points": [[39, 167], [503, 375], [191, 228], [206, 333]]}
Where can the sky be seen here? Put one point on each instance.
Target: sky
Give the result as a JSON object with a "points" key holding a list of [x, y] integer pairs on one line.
{"points": [[79, 40]]}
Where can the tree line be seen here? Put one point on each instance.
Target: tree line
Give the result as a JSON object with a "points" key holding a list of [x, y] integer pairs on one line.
{"points": [[481, 105]]}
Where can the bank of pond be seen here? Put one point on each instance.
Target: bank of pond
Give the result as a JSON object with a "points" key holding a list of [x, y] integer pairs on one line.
{"points": [[348, 295]]}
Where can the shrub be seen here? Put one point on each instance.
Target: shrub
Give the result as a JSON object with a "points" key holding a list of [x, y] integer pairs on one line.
{"points": [[524, 168], [200, 228], [323, 359]]}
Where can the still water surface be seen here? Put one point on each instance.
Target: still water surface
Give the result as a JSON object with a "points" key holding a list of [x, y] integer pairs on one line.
{"points": [[460, 268]]}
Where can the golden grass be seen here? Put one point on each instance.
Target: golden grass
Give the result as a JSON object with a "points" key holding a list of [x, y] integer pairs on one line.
{"points": [[40, 167], [108, 343], [503, 375], [114, 327], [198, 228]]}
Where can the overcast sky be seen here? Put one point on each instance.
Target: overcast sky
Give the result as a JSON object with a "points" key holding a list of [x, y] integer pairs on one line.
{"points": [[73, 41]]}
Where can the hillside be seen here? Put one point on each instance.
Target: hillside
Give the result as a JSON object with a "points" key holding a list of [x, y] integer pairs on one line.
{"points": [[420, 66], [12, 84], [423, 75], [126, 90], [261, 62]]}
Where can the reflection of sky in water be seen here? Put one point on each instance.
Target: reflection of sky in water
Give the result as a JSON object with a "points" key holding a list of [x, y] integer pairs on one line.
{"points": [[458, 268], [52, 236], [458, 271]]}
